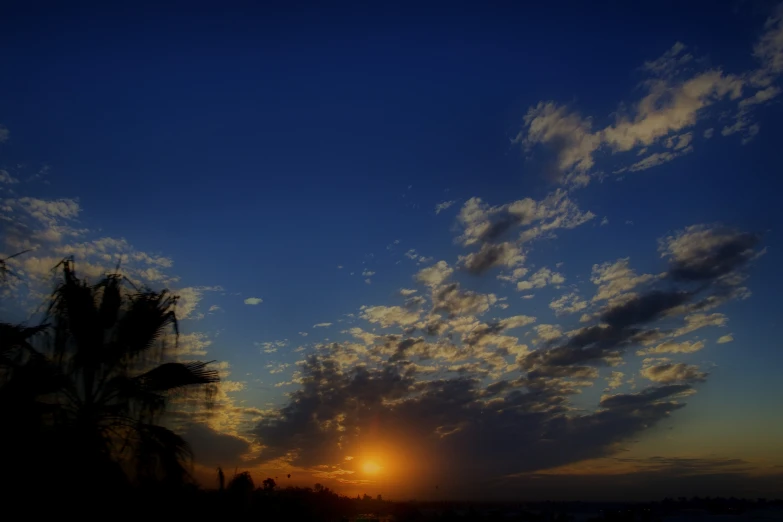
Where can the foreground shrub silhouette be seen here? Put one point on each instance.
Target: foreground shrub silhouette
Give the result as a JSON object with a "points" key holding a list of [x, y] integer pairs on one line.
{"points": [[82, 394]]}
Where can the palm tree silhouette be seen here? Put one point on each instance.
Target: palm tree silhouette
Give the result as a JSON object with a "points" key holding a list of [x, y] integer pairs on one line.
{"points": [[100, 379]]}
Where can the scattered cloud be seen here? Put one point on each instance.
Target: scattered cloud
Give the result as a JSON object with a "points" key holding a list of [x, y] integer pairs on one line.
{"points": [[388, 316], [272, 346], [673, 347], [6, 178], [491, 255], [482, 223], [615, 380], [440, 207], [253, 301], [568, 304], [434, 275], [615, 279], [540, 279], [676, 94], [668, 373]]}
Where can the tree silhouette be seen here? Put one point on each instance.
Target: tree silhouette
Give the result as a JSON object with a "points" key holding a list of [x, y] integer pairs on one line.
{"points": [[96, 382], [269, 484], [242, 484], [109, 344], [221, 479]]}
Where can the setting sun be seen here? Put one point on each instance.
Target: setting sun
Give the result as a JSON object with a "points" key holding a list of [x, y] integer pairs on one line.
{"points": [[371, 468]]}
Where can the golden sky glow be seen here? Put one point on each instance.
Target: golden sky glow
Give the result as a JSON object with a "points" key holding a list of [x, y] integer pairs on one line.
{"points": [[371, 467]]}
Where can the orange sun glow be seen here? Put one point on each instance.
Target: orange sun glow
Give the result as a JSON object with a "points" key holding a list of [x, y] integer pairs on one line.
{"points": [[371, 468]]}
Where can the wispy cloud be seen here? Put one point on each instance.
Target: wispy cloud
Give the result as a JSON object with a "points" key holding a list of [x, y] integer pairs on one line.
{"points": [[676, 95]]}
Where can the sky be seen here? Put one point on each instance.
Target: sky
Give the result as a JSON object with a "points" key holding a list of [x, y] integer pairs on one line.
{"points": [[493, 252]]}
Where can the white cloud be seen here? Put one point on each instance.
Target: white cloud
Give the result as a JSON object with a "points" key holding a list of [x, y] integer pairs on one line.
{"points": [[253, 301], [708, 133], [514, 276], [615, 380], [434, 275], [189, 299], [673, 347], [277, 368], [272, 346], [615, 279], [491, 255], [760, 97], [390, 315], [440, 207], [412, 254], [516, 321], [322, 325], [548, 123], [407, 291], [482, 223], [655, 159], [366, 337], [232, 386], [697, 321], [673, 102], [48, 212], [568, 304], [769, 49], [48, 228], [540, 279], [455, 301], [668, 63], [693, 249], [548, 332], [191, 344], [6, 178], [723, 339], [673, 372], [4, 133]]}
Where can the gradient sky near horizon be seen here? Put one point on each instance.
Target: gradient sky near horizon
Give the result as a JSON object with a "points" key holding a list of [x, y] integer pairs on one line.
{"points": [[486, 252]]}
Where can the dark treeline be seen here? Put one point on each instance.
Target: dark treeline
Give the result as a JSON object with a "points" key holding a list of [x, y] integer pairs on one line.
{"points": [[267, 502]]}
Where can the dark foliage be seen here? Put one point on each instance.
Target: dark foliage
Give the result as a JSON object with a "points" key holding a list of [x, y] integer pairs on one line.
{"points": [[83, 392]]}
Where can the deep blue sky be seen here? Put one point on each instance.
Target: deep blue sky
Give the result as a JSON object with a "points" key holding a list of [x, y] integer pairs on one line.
{"points": [[262, 146]]}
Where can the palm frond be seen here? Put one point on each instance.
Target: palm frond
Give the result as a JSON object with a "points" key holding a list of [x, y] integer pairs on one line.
{"points": [[4, 270], [74, 312], [17, 337], [163, 454], [111, 300], [145, 321], [169, 376]]}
